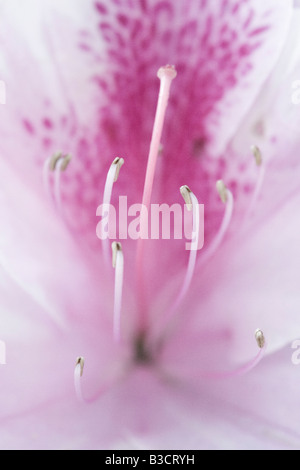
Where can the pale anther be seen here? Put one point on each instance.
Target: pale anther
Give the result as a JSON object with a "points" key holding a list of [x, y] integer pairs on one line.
{"points": [[66, 160], [186, 194], [54, 159], [119, 162], [59, 156], [222, 190], [260, 339], [80, 362], [257, 155], [116, 246]]}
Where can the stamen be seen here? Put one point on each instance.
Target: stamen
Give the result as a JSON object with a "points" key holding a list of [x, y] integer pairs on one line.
{"points": [[190, 200], [48, 168], [78, 373], [66, 161], [112, 177], [166, 75], [222, 190], [54, 159], [80, 361], [227, 199], [46, 178], [57, 185], [118, 162], [186, 194], [118, 265], [260, 339], [55, 164], [194, 249], [107, 383], [257, 155]]}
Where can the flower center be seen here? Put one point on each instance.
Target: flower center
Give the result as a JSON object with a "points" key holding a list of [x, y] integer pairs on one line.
{"points": [[145, 347], [142, 354]]}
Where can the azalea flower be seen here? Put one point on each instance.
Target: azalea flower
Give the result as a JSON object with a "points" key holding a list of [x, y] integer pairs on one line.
{"points": [[168, 336]]}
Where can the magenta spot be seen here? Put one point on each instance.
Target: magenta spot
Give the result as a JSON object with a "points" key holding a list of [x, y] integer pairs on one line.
{"points": [[100, 8], [123, 20], [222, 164], [166, 37], [110, 128], [111, 35], [189, 30], [104, 26], [225, 44], [64, 121], [231, 81], [246, 69], [162, 8], [47, 123], [84, 47], [257, 31], [233, 186], [245, 50], [83, 148], [144, 5], [208, 30], [274, 139], [199, 145], [28, 126], [101, 83], [249, 20], [236, 8], [224, 29], [224, 7], [117, 56], [47, 143], [248, 188], [137, 29]]}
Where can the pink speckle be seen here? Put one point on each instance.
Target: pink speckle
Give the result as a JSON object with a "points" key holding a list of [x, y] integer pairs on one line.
{"points": [[163, 7], [235, 8], [101, 8], [249, 20], [47, 143], [47, 123], [224, 7], [123, 19], [248, 188], [101, 83], [84, 47], [28, 126], [257, 31], [144, 5]]}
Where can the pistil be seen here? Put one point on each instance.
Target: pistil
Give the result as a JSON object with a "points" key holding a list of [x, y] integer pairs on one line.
{"points": [[166, 75]]}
